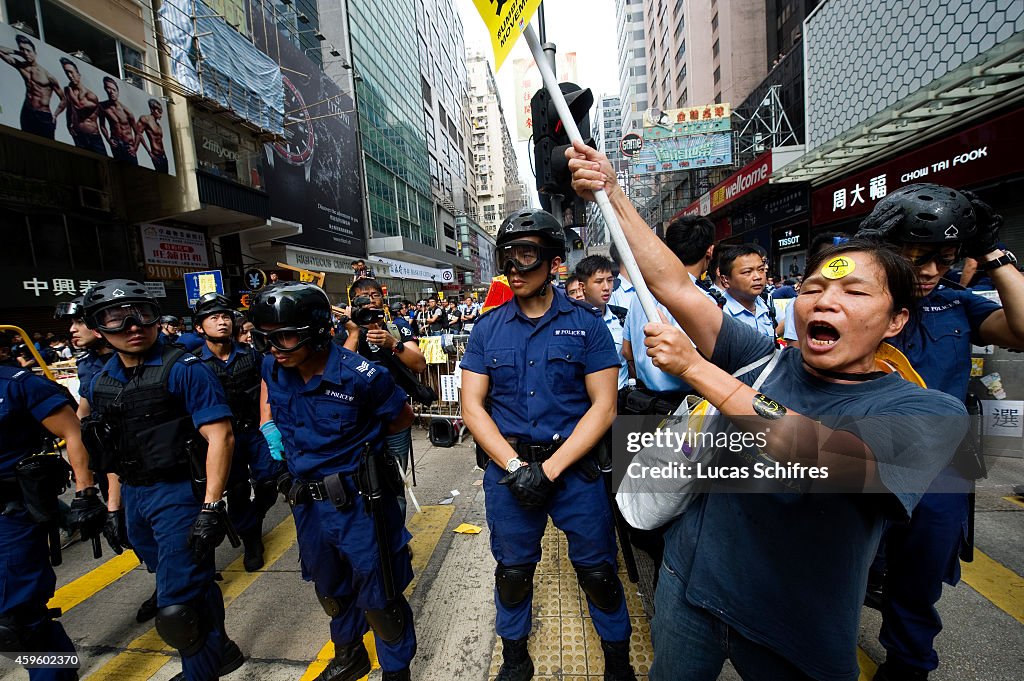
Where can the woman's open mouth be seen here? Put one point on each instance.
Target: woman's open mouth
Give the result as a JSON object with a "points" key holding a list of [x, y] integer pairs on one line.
{"points": [[821, 335]]}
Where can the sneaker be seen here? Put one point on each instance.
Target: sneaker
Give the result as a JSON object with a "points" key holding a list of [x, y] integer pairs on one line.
{"points": [[516, 663], [350, 663]]}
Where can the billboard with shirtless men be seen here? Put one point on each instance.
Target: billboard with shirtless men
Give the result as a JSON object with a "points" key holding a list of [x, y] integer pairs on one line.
{"points": [[48, 93]]}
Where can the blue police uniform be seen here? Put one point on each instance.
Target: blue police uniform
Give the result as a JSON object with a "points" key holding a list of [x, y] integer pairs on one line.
{"points": [[325, 425], [922, 554], [160, 515], [251, 457], [88, 364], [27, 581], [537, 370], [191, 341]]}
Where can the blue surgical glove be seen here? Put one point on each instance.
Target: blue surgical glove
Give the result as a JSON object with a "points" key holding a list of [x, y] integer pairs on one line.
{"points": [[273, 437]]}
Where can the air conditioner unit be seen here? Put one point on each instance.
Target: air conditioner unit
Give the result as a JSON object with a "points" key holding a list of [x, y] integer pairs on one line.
{"points": [[94, 199]]}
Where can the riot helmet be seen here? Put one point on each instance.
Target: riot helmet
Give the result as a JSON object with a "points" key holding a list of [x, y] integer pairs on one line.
{"points": [[113, 305], [922, 214], [513, 250], [302, 310], [212, 303], [70, 310]]}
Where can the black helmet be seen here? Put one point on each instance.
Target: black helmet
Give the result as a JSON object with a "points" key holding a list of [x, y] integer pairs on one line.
{"points": [[523, 223], [212, 303], [71, 309], [299, 307], [119, 293], [922, 214], [532, 222], [169, 319], [396, 307]]}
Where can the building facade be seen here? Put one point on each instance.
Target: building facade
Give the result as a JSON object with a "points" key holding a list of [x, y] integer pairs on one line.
{"points": [[607, 132], [632, 51], [498, 187]]}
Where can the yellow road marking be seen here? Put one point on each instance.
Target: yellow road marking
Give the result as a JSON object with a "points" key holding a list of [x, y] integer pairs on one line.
{"points": [[1003, 587], [1015, 500], [426, 529], [89, 584], [866, 664], [144, 656]]}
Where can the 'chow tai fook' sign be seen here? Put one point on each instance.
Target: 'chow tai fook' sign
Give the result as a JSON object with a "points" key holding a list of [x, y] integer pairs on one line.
{"points": [[984, 152]]}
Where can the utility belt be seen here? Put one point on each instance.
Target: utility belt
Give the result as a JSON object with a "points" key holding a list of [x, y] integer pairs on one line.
{"points": [[538, 453], [644, 402], [378, 475], [533, 453], [333, 488], [38, 481], [146, 478]]}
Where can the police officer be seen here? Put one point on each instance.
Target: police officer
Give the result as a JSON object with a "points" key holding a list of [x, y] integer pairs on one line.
{"points": [[155, 408], [170, 328], [548, 367], [31, 409], [237, 367], [935, 226], [327, 410]]}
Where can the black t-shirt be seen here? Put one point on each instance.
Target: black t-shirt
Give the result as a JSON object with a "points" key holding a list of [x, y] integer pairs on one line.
{"points": [[437, 319]]}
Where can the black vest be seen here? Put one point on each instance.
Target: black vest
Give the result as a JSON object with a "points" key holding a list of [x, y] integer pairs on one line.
{"points": [[241, 383], [149, 428]]}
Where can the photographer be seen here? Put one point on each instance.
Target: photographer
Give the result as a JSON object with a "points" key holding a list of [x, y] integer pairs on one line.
{"points": [[391, 345]]}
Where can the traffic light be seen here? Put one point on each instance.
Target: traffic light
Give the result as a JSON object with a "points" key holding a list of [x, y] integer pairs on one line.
{"points": [[550, 139]]}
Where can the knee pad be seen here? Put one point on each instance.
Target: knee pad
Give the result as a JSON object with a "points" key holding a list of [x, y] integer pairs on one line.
{"points": [[601, 585], [332, 605], [514, 583], [183, 627], [389, 622], [15, 638], [23, 629]]}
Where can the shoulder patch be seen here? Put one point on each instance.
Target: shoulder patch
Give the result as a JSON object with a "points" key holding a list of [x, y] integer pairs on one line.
{"points": [[593, 309], [188, 358]]}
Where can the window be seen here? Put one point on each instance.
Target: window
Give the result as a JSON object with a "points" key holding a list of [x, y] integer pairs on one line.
{"points": [[682, 50], [449, 231], [718, 74], [69, 33], [714, 49], [425, 90], [714, 22]]}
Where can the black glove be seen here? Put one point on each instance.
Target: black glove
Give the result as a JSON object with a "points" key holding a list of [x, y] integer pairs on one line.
{"points": [[530, 486], [88, 513], [208, 531], [986, 238], [116, 532], [284, 484], [880, 223]]}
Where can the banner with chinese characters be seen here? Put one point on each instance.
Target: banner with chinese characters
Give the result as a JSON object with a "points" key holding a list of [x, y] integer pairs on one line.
{"points": [[985, 152], [685, 139], [60, 97], [528, 81], [171, 250], [34, 287]]}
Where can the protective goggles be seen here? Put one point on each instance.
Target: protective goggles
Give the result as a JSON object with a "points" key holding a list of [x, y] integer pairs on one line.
{"points": [[121, 317], [942, 258], [287, 339], [525, 256], [69, 310]]}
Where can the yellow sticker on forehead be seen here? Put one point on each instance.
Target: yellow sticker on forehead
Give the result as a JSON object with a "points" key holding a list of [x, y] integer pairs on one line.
{"points": [[838, 267]]}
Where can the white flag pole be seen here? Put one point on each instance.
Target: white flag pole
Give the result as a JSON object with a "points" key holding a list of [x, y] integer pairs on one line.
{"points": [[618, 237]]}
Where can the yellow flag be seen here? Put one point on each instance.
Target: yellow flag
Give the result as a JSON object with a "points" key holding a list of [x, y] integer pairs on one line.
{"points": [[306, 276], [506, 20]]}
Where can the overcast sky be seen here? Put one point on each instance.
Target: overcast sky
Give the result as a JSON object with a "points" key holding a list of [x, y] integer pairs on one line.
{"points": [[584, 27]]}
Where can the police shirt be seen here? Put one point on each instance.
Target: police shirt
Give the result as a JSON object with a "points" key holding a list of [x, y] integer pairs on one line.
{"points": [[191, 341], [190, 381], [90, 363], [938, 343], [623, 295], [25, 400], [614, 326], [538, 366], [325, 423], [760, 320], [404, 330]]}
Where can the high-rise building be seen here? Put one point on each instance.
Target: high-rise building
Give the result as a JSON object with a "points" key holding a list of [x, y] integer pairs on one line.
{"points": [[498, 188], [699, 52], [632, 48], [607, 131]]}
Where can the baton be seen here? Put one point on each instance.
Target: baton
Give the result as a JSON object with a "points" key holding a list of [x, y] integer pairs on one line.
{"points": [[232, 533], [56, 558], [622, 530], [97, 548], [373, 499]]}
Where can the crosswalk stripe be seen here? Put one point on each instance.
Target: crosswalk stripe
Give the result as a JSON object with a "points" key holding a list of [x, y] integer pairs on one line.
{"points": [[144, 656], [89, 584], [866, 664], [1003, 587], [426, 529]]}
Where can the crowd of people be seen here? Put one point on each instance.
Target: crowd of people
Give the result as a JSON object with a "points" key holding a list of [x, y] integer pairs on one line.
{"points": [[181, 439]]}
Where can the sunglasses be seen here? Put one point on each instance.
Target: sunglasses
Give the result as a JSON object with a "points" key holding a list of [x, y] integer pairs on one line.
{"points": [[287, 339], [117, 319]]}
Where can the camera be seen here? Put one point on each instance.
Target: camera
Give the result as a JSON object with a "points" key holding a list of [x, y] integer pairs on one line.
{"points": [[363, 315]]}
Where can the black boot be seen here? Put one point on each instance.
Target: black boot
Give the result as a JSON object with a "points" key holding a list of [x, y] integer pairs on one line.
{"points": [[350, 663], [404, 675], [231, 657], [616, 661], [252, 541], [894, 671], [147, 610], [516, 663]]}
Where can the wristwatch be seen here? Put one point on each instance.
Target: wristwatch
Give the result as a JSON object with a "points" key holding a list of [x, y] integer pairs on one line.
{"points": [[514, 464], [1006, 258], [399, 347], [214, 505]]}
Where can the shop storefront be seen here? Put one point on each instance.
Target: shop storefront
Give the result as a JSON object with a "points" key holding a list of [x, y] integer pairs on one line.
{"points": [[226, 152]]}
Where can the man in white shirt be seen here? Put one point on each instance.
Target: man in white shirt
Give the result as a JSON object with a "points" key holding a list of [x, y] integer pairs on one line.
{"points": [[622, 294], [743, 273], [595, 273]]}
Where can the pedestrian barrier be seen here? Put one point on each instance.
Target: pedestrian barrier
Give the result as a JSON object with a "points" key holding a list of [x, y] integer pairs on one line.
{"points": [[443, 355]]}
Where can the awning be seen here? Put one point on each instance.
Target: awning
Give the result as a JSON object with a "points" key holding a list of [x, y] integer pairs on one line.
{"points": [[400, 248]]}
